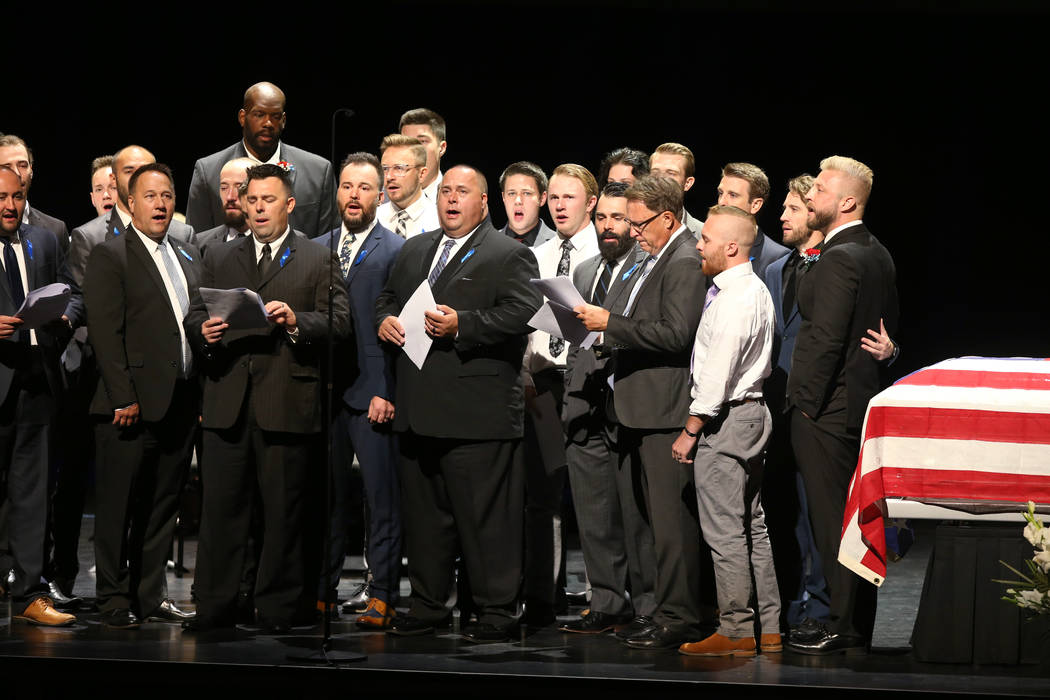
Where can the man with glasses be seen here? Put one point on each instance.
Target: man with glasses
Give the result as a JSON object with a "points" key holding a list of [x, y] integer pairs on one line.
{"points": [[262, 120], [406, 211], [652, 333]]}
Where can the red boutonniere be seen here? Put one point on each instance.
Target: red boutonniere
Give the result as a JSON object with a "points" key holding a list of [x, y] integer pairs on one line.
{"points": [[810, 256], [288, 167]]}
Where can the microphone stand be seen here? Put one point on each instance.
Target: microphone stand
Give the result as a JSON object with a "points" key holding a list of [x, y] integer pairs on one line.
{"points": [[325, 654]]}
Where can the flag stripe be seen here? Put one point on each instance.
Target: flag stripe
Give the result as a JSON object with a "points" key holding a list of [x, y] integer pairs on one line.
{"points": [[957, 424], [989, 380]]}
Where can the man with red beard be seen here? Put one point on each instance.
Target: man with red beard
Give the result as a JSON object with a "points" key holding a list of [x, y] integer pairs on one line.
{"points": [[365, 388], [235, 221]]}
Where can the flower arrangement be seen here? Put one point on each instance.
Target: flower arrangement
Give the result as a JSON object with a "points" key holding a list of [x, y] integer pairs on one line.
{"points": [[810, 256], [1031, 591]]}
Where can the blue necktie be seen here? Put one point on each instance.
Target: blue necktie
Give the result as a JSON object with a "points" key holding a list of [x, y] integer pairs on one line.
{"points": [[442, 261]]}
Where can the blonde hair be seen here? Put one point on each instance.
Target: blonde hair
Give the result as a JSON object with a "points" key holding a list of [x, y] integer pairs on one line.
{"points": [[590, 185], [677, 149], [856, 171]]}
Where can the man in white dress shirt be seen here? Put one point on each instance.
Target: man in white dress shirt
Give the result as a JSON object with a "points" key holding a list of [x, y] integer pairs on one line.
{"points": [[727, 431], [406, 211], [427, 126]]}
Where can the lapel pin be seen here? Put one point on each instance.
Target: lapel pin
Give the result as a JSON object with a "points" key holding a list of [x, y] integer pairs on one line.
{"points": [[467, 256], [29, 248], [361, 256], [284, 258], [185, 254]]}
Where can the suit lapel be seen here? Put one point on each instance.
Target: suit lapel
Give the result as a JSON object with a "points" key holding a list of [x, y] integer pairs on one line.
{"points": [[135, 248], [626, 277], [186, 261], [115, 227], [659, 265], [465, 257], [428, 257], [374, 240], [284, 256], [29, 255], [245, 257]]}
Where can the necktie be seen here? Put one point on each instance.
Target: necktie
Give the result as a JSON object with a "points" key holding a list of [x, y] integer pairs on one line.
{"points": [[790, 282], [710, 296], [172, 267], [556, 345], [344, 253], [602, 287], [402, 224], [442, 261], [642, 274], [264, 261], [14, 275]]}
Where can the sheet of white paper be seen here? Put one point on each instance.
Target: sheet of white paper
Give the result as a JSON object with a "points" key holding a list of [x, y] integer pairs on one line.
{"points": [[561, 322], [44, 305], [560, 290], [241, 308], [549, 432], [417, 342]]}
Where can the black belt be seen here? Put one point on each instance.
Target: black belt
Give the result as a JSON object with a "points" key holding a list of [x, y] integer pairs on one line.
{"points": [[740, 402]]}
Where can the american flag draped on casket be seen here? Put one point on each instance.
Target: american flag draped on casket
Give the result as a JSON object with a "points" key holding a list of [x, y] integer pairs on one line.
{"points": [[973, 428]]}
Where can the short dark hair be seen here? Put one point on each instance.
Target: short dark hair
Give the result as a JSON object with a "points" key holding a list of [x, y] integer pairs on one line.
{"points": [[422, 115], [362, 158], [266, 171], [150, 168], [615, 189], [528, 169], [638, 160]]}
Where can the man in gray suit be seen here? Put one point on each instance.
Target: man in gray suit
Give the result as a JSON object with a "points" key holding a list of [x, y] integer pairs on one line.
{"points": [[235, 220], [745, 186], [652, 338], [615, 536], [524, 188], [262, 120], [15, 154]]}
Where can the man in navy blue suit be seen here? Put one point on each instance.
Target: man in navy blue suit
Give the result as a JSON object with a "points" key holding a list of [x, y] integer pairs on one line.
{"points": [[364, 375]]}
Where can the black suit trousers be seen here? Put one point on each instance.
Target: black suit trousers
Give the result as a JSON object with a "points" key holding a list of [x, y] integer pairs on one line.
{"points": [[463, 496]]}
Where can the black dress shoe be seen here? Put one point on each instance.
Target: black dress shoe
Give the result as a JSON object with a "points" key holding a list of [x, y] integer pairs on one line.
{"points": [[60, 599], [660, 637], [807, 631], [358, 600], [485, 633], [169, 612], [829, 643], [538, 613], [408, 626], [120, 619], [642, 624], [594, 622]]}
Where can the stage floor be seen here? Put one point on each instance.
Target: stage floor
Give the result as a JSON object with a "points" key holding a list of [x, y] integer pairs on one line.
{"points": [[172, 663]]}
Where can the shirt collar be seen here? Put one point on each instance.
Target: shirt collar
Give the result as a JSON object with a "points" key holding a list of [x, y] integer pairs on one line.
{"points": [[343, 232], [667, 245], [151, 245], [274, 245], [855, 222], [726, 277], [274, 159], [125, 219]]}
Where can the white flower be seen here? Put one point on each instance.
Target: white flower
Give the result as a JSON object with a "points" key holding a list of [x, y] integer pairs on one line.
{"points": [[1043, 560], [1038, 536], [1030, 599]]}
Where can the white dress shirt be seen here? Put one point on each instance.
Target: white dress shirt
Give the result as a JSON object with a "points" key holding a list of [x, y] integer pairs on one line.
{"points": [[734, 342], [422, 216], [359, 240], [274, 159], [275, 246], [832, 232], [457, 245], [156, 251], [125, 218]]}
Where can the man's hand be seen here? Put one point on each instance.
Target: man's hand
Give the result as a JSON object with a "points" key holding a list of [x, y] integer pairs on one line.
{"points": [[443, 323], [8, 325], [125, 417], [212, 330], [281, 314], [683, 448], [380, 410], [391, 331], [879, 344], [595, 318]]}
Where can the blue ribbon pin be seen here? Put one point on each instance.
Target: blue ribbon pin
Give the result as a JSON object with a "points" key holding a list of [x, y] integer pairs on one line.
{"points": [[467, 256], [116, 230], [185, 254], [361, 256], [629, 272], [284, 258], [29, 248]]}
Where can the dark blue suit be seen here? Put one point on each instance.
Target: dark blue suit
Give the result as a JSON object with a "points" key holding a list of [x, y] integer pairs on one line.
{"points": [[799, 571], [364, 369]]}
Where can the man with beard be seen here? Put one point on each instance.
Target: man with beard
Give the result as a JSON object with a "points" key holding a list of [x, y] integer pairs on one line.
{"points": [[524, 188], [571, 197], [842, 295], [364, 383], [725, 437], [235, 223], [615, 536], [15, 154], [103, 185], [263, 119], [745, 186], [406, 211]]}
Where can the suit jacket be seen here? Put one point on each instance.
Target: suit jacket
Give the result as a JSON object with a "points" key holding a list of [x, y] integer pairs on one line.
{"points": [[765, 252], [585, 371], [840, 297], [365, 369], [132, 329], [775, 388], [313, 185], [469, 387], [284, 376], [213, 236], [45, 265], [655, 341], [58, 227], [102, 228], [543, 234]]}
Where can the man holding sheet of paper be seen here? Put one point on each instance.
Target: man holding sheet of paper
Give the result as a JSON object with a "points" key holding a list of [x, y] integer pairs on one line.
{"points": [[460, 413], [29, 391]]}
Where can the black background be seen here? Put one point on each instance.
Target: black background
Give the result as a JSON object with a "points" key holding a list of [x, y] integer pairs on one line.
{"points": [[945, 101]]}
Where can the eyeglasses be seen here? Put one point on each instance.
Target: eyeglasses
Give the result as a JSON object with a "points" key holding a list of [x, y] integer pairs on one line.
{"points": [[399, 169], [640, 225]]}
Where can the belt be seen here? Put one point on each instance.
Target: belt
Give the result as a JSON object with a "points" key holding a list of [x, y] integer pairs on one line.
{"points": [[741, 402]]}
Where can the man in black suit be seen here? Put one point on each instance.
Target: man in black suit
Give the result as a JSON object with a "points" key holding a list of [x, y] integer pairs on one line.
{"points": [[653, 336], [851, 288], [364, 381], [746, 187], [262, 406], [235, 220], [460, 417], [138, 287], [262, 120], [15, 154]]}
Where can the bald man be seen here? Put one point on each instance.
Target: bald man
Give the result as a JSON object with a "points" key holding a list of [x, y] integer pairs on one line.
{"points": [[235, 221], [726, 433], [262, 118]]}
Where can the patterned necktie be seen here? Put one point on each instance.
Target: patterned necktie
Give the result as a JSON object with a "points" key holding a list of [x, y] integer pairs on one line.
{"points": [[556, 345], [602, 287], [402, 224], [264, 261], [344, 253], [442, 261], [172, 268], [14, 275]]}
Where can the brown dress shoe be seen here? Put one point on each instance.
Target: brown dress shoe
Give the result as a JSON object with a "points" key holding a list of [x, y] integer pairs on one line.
{"points": [[377, 616], [42, 612], [771, 643], [719, 645]]}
